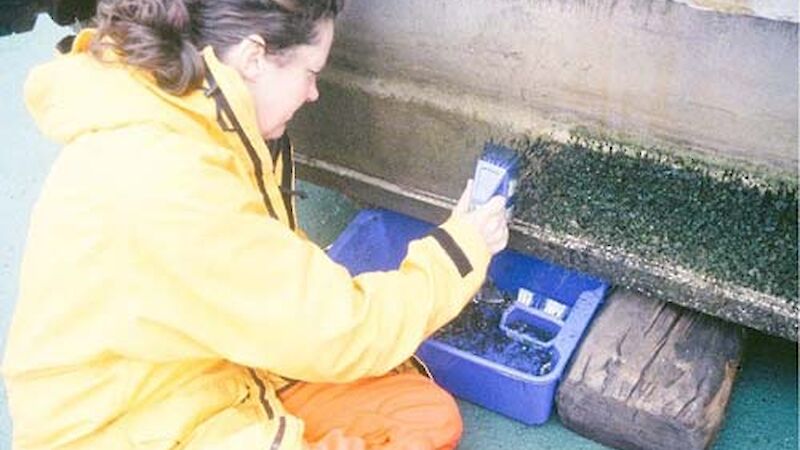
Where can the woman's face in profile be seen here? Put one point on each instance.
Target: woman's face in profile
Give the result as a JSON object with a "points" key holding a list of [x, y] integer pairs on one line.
{"points": [[283, 83]]}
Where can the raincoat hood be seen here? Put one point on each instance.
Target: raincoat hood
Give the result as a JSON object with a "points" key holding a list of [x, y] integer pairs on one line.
{"points": [[76, 95], [56, 90]]}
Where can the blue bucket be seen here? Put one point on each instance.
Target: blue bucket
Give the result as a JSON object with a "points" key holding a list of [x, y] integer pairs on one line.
{"points": [[377, 239]]}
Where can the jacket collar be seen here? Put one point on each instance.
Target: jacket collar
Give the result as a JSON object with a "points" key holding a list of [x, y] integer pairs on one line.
{"points": [[244, 133], [197, 110], [232, 87], [200, 112]]}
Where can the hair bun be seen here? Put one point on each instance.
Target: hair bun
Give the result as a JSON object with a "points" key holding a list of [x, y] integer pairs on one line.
{"points": [[153, 35]]}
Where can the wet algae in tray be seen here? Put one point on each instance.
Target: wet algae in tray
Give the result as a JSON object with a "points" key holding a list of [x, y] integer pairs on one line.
{"points": [[477, 331], [722, 223]]}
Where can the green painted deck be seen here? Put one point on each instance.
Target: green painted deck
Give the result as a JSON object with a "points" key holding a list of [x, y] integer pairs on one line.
{"points": [[763, 412]]}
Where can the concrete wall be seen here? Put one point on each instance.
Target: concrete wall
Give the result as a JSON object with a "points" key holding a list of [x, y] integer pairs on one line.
{"points": [[415, 87], [648, 71]]}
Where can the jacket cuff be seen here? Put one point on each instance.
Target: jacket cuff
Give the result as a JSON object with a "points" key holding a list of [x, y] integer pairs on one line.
{"points": [[464, 246]]}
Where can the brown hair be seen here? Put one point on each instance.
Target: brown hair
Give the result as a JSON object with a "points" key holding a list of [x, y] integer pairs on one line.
{"points": [[163, 36]]}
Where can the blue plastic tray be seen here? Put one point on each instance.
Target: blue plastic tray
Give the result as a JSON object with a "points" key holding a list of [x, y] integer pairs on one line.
{"points": [[377, 239]]}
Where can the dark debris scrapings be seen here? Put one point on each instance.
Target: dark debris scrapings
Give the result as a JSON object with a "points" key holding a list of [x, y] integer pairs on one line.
{"points": [[477, 331], [718, 222]]}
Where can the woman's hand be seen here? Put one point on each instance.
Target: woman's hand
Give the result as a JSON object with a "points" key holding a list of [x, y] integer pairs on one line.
{"points": [[488, 219]]}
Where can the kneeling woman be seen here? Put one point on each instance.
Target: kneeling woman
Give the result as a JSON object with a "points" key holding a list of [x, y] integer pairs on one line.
{"points": [[167, 297]]}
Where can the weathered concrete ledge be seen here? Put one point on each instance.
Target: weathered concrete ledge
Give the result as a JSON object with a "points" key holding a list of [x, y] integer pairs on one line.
{"points": [[654, 72], [415, 88], [414, 158], [680, 286]]}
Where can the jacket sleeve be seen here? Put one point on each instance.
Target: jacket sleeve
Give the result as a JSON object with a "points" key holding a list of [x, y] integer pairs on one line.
{"points": [[218, 278]]}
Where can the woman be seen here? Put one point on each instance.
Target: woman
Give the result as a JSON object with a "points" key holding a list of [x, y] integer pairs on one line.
{"points": [[167, 298]]}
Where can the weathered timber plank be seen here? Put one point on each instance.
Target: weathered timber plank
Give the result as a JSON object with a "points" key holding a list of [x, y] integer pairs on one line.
{"points": [[650, 375]]}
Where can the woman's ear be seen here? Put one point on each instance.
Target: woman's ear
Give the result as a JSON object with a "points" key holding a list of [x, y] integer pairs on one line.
{"points": [[247, 57]]}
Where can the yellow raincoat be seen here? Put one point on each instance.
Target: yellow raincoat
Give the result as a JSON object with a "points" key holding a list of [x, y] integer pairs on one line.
{"points": [[162, 301]]}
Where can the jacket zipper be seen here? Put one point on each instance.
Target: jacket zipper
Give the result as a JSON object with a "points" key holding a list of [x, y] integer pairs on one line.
{"points": [[262, 396]]}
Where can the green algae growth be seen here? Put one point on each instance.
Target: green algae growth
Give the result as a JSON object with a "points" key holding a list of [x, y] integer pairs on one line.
{"points": [[720, 223]]}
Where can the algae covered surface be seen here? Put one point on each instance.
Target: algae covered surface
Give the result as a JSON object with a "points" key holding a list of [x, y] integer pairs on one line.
{"points": [[722, 223]]}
